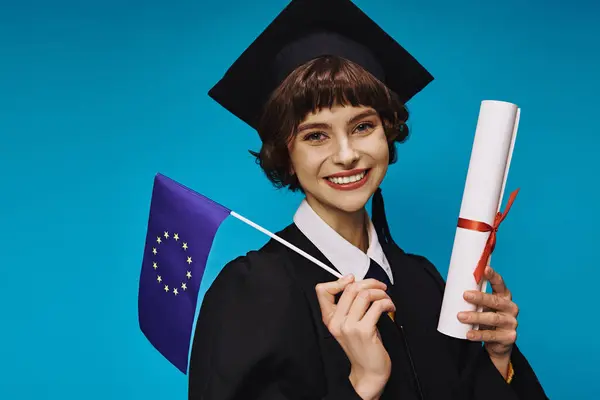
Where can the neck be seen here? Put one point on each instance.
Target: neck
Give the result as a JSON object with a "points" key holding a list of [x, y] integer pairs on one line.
{"points": [[350, 226]]}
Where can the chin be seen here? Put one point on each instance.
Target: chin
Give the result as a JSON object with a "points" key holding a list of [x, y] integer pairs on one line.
{"points": [[349, 201]]}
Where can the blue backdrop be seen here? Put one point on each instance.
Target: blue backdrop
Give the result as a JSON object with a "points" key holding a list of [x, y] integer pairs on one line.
{"points": [[97, 96]]}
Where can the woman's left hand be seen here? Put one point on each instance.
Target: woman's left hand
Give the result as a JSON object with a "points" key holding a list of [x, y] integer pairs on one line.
{"points": [[498, 319]]}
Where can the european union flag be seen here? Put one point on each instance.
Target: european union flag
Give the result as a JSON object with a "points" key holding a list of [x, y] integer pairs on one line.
{"points": [[181, 229]]}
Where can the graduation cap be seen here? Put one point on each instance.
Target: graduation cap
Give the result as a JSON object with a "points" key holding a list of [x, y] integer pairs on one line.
{"points": [[307, 29]]}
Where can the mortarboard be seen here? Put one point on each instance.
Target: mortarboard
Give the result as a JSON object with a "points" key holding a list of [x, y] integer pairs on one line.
{"points": [[307, 29]]}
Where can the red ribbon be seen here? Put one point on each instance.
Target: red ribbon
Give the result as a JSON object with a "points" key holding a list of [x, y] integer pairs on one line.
{"points": [[483, 227]]}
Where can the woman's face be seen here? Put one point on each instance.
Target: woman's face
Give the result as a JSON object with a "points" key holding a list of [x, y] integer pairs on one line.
{"points": [[340, 156]]}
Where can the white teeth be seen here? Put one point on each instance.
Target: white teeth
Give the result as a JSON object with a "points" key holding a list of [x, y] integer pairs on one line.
{"points": [[347, 179]]}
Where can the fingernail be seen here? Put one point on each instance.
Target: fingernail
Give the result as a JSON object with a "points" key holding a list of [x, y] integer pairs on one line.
{"points": [[463, 316], [469, 296], [471, 335]]}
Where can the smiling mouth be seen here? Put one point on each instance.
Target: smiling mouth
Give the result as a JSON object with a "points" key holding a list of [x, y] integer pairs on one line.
{"points": [[348, 182]]}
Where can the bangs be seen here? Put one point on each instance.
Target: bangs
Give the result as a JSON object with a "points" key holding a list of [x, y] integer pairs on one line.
{"points": [[329, 81]]}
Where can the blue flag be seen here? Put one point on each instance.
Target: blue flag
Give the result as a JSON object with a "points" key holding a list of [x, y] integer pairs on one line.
{"points": [[181, 229]]}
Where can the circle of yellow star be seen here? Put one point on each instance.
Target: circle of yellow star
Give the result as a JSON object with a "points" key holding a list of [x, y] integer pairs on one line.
{"points": [[159, 240]]}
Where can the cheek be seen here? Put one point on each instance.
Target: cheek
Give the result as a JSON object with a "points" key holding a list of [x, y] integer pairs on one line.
{"points": [[305, 161], [384, 150], [377, 147]]}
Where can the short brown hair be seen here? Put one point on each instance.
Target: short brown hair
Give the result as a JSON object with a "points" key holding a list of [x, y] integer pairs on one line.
{"points": [[321, 83]]}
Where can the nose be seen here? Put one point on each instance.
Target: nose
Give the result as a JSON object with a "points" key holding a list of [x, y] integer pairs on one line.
{"points": [[345, 155]]}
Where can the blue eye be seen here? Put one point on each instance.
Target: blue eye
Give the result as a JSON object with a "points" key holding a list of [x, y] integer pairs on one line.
{"points": [[314, 136], [363, 127]]}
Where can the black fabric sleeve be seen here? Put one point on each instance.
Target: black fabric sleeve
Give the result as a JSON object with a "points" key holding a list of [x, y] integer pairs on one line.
{"points": [[255, 341]]}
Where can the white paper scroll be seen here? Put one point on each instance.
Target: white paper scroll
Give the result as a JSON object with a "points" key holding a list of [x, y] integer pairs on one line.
{"points": [[482, 197]]}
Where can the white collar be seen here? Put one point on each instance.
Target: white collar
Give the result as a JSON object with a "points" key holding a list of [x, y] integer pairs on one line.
{"points": [[345, 257]]}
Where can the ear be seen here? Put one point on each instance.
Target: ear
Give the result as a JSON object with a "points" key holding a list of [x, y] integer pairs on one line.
{"points": [[291, 170]]}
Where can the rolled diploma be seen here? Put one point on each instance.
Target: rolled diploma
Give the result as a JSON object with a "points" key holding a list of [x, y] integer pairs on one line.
{"points": [[482, 197]]}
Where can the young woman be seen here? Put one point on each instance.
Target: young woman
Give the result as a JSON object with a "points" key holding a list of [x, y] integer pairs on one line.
{"points": [[329, 108]]}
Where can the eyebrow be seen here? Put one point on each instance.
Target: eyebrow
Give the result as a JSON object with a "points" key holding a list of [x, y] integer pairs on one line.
{"points": [[322, 125], [364, 114]]}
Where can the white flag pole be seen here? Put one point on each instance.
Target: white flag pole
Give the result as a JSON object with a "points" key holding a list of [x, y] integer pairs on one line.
{"points": [[287, 244]]}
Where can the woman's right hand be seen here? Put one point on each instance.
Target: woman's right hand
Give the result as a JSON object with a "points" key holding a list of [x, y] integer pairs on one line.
{"points": [[353, 323]]}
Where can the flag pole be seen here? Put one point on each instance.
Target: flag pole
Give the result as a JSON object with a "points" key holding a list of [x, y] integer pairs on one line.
{"points": [[287, 244]]}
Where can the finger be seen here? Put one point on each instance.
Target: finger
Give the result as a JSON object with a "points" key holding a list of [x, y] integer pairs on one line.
{"points": [[491, 319], [326, 292], [491, 300], [351, 291], [362, 302], [497, 336], [496, 280], [377, 308], [372, 284]]}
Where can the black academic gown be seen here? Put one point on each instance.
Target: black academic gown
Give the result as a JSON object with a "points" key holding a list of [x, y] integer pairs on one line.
{"points": [[260, 336]]}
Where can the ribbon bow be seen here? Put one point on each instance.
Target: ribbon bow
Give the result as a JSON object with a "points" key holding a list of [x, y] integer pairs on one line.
{"points": [[483, 227]]}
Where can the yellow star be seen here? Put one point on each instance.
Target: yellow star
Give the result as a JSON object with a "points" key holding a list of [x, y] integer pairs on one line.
{"points": [[184, 286], [166, 288], [159, 279], [189, 260], [158, 240], [175, 292], [189, 275], [184, 246], [176, 236], [154, 251], [166, 235], [154, 265]]}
